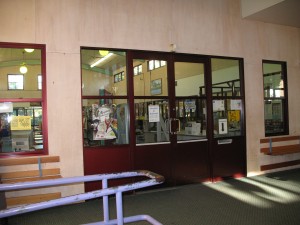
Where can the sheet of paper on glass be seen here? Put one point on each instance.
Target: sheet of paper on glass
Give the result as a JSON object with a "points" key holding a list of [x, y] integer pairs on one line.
{"points": [[20, 123], [218, 105], [153, 113], [236, 104]]}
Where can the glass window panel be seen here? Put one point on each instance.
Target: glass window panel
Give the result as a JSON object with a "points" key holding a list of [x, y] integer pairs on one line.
{"points": [[274, 120], [151, 65], [151, 121], [192, 116], [275, 103], [20, 127], [105, 122], [227, 117], [151, 82], [15, 82], [189, 75], [225, 77], [191, 112], [273, 80], [156, 64], [19, 85], [135, 70], [39, 82], [226, 92], [98, 72]]}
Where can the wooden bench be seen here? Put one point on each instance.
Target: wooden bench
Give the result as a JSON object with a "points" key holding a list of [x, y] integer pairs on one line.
{"points": [[15, 176], [280, 145]]}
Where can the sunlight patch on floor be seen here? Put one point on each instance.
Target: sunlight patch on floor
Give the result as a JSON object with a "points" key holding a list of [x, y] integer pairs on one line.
{"points": [[246, 197], [275, 194]]}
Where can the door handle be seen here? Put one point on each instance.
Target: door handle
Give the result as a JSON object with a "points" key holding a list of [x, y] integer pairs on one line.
{"points": [[174, 126]]}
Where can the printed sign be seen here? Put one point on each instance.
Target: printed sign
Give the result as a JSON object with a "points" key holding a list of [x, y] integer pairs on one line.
{"points": [[153, 111], [20, 123]]}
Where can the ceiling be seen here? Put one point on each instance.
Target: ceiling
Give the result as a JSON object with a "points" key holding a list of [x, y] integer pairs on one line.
{"points": [[18, 56], [286, 13]]}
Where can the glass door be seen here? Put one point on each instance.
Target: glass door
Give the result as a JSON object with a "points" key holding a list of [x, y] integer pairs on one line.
{"points": [[191, 158], [151, 112], [228, 137]]}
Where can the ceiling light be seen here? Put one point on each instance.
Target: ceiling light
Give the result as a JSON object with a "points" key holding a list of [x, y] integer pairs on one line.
{"points": [[101, 60], [103, 52], [29, 50], [23, 69]]}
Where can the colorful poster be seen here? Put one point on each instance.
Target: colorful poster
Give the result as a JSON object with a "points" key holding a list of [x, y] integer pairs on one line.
{"points": [[233, 116], [105, 127]]}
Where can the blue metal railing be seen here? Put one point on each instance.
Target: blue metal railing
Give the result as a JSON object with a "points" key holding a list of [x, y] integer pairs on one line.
{"points": [[155, 179]]}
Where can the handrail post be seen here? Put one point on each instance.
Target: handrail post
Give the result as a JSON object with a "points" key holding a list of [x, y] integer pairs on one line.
{"points": [[119, 205], [105, 202]]}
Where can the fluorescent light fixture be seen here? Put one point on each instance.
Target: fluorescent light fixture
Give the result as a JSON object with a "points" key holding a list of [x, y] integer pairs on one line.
{"points": [[101, 60]]}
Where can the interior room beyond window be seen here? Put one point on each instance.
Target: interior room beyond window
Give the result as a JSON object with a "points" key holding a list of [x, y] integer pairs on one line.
{"points": [[21, 101]]}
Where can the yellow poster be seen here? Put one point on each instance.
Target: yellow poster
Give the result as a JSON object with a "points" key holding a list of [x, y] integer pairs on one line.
{"points": [[234, 116], [20, 123]]}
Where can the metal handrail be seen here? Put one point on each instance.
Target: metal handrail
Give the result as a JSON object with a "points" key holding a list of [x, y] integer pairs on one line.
{"points": [[155, 179]]}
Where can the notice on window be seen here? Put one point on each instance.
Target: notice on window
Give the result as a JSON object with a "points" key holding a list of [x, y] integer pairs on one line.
{"points": [[218, 105], [233, 116], [153, 113], [236, 104], [223, 126], [20, 123]]}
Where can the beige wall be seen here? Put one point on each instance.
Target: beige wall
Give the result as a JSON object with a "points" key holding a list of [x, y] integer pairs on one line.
{"points": [[195, 26]]}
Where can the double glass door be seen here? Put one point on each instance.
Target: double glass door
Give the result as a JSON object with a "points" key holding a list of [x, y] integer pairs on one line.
{"points": [[170, 112], [189, 116]]}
